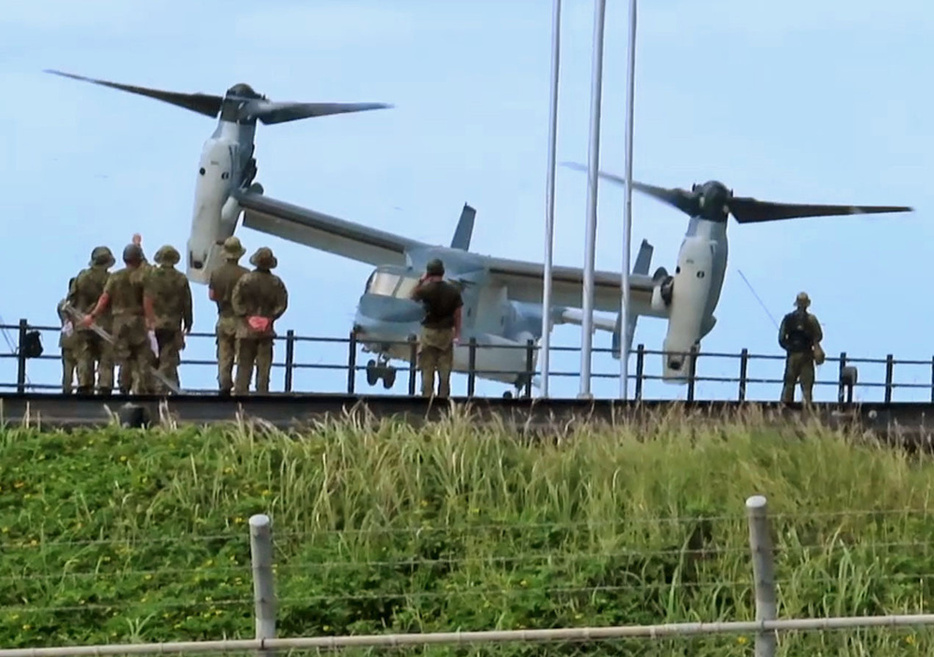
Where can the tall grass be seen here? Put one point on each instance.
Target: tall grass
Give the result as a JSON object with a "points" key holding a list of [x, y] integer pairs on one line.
{"points": [[116, 535]]}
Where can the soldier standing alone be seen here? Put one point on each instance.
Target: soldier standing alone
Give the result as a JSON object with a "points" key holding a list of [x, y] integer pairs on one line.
{"points": [[123, 295], [92, 349], [167, 297], [220, 290], [68, 343], [800, 336], [441, 328], [259, 299]]}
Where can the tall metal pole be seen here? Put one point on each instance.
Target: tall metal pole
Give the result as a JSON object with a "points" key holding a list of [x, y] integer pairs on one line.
{"points": [[593, 166], [550, 196], [627, 208]]}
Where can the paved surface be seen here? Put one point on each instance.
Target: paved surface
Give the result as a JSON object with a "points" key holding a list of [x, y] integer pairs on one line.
{"points": [[911, 422]]}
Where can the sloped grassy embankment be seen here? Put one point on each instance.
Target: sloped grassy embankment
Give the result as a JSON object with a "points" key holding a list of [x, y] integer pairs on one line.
{"points": [[115, 536]]}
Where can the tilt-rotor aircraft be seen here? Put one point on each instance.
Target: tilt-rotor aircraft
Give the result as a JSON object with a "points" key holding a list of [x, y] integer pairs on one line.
{"points": [[502, 297]]}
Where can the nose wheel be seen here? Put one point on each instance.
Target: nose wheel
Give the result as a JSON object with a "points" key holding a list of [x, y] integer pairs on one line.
{"points": [[380, 370]]}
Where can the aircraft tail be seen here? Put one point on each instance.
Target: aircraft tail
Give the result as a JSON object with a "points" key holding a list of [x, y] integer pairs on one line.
{"points": [[641, 266], [464, 230]]}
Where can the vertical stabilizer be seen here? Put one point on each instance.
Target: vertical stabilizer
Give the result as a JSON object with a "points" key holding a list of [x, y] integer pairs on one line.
{"points": [[641, 267], [464, 229]]}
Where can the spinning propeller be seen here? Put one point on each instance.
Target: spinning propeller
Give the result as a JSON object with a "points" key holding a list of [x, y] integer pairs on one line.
{"points": [[714, 202], [240, 103]]}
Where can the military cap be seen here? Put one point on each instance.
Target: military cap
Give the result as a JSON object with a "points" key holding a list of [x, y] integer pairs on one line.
{"points": [[232, 248], [132, 253], [167, 254], [263, 258], [435, 268], [802, 299], [102, 256]]}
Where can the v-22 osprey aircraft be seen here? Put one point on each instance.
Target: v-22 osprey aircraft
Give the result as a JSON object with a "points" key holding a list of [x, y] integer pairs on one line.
{"points": [[502, 297]]}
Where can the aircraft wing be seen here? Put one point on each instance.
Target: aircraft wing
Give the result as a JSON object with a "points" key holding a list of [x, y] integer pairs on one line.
{"points": [[323, 232], [525, 282]]}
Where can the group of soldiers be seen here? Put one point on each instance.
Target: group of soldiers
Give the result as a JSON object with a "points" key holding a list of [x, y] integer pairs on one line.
{"points": [[136, 318]]}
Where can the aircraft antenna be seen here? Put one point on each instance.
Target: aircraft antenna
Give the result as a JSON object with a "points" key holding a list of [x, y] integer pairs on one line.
{"points": [[761, 303]]}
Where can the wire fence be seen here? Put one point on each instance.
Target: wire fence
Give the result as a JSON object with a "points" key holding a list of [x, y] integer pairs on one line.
{"points": [[338, 364], [817, 567]]}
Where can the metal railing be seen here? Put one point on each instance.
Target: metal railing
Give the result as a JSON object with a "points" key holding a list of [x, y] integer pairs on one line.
{"points": [[844, 380]]}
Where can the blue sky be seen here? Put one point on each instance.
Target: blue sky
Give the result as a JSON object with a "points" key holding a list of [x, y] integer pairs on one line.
{"points": [[808, 102]]}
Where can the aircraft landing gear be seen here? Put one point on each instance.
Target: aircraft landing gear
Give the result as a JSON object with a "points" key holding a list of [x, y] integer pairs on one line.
{"points": [[380, 370]]}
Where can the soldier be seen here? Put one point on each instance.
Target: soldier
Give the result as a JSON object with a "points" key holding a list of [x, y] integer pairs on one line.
{"points": [[123, 294], [441, 328], [220, 290], [68, 343], [92, 349], [259, 299], [800, 336], [168, 300]]}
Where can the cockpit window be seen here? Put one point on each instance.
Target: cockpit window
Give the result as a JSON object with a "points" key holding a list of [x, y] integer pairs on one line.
{"points": [[388, 284]]}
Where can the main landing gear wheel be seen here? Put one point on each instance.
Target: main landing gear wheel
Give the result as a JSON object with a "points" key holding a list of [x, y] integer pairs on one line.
{"points": [[380, 370]]}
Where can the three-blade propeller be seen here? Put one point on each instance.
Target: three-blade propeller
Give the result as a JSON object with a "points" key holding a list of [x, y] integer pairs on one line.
{"points": [[744, 209], [251, 105]]}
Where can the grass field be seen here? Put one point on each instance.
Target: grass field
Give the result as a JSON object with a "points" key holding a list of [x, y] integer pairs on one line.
{"points": [[117, 536]]}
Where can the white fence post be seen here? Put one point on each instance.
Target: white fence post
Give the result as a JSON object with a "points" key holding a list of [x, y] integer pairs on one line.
{"points": [[763, 568], [264, 592]]}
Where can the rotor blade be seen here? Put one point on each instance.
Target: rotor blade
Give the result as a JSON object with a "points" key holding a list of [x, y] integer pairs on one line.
{"points": [[679, 198], [271, 112], [750, 210], [206, 104]]}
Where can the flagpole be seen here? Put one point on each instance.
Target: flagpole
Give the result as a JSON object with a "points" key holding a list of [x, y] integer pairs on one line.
{"points": [[625, 338]]}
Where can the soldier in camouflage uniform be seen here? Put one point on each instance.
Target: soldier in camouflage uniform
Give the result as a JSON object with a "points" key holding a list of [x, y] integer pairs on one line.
{"points": [[92, 350], [441, 328], [800, 336], [68, 343], [168, 300], [259, 299], [125, 376], [123, 295], [220, 290]]}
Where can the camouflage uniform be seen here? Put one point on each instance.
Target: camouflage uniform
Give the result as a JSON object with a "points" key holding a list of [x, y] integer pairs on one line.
{"points": [[169, 293], [260, 294], [124, 295], [91, 349], [220, 286], [799, 334], [68, 342], [440, 328], [125, 376]]}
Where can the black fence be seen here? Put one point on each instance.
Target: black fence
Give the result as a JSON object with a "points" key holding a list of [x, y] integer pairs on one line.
{"points": [[844, 378]]}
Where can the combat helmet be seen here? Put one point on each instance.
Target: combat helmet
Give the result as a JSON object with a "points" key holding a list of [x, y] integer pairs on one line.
{"points": [[133, 253], [435, 267], [102, 257], [802, 300], [167, 255], [232, 248], [264, 258]]}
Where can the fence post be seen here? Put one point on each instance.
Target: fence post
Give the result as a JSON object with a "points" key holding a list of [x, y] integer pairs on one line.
{"points": [[743, 372], [841, 391], [889, 376], [692, 372], [413, 360], [352, 362], [932, 379], [763, 568], [289, 358], [640, 370], [264, 591], [471, 366], [21, 357], [529, 365]]}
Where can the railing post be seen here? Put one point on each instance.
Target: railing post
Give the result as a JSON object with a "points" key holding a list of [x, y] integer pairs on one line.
{"points": [[841, 390], [352, 362], [413, 360], [743, 372], [932, 379], [889, 375], [640, 370], [289, 358], [21, 357], [471, 366], [763, 568], [692, 372], [264, 590], [529, 365]]}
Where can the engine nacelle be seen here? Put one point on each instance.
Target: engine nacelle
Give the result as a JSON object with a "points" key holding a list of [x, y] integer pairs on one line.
{"points": [[689, 291]]}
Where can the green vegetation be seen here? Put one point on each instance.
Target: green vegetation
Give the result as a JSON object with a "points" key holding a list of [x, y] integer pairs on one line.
{"points": [[122, 536]]}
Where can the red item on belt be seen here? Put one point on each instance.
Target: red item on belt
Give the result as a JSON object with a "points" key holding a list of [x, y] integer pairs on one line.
{"points": [[258, 323]]}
